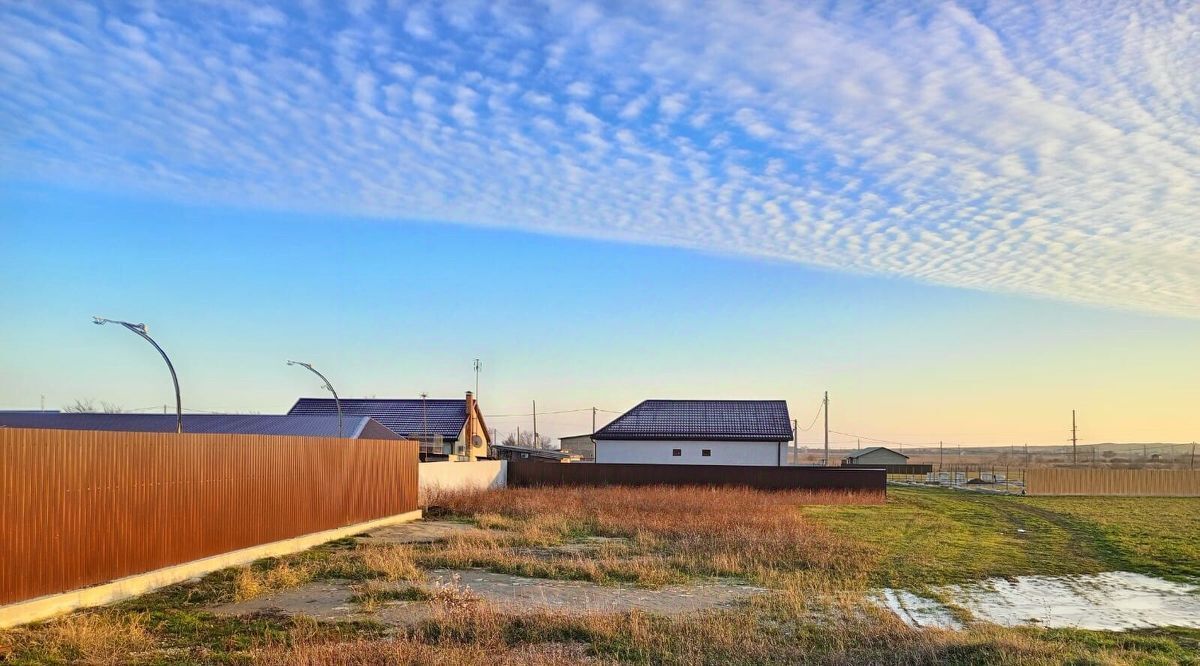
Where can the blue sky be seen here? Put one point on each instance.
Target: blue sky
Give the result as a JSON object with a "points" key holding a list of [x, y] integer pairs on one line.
{"points": [[962, 220]]}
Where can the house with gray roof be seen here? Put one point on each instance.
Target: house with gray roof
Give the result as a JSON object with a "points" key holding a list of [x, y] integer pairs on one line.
{"points": [[875, 455], [698, 432], [447, 429]]}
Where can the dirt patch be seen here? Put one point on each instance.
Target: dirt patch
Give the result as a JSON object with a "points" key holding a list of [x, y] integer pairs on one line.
{"points": [[322, 600], [332, 600], [424, 531], [520, 593]]}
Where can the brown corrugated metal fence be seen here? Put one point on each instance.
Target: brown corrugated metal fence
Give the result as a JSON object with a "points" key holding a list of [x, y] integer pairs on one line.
{"points": [[79, 508], [895, 469], [533, 473], [1127, 482]]}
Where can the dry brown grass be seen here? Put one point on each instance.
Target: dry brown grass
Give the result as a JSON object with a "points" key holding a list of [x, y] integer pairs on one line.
{"points": [[282, 574], [673, 533], [390, 561], [97, 637], [407, 651]]}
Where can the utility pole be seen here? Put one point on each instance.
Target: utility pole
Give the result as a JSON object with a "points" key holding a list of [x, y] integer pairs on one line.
{"points": [[1074, 441], [825, 408], [1193, 455], [536, 444], [478, 367], [593, 419], [940, 446], [795, 441], [424, 419], [43, 402]]}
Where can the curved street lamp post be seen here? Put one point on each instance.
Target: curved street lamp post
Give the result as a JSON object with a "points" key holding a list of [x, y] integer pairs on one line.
{"points": [[328, 386], [141, 330]]}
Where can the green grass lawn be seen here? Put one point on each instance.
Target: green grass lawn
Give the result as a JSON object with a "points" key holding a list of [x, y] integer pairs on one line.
{"points": [[927, 537]]}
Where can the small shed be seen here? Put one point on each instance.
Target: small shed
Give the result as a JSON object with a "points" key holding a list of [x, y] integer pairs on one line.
{"points": [[875, 455]]}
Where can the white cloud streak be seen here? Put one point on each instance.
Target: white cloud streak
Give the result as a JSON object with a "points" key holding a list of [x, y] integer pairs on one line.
{"points": [[1052, 152]]}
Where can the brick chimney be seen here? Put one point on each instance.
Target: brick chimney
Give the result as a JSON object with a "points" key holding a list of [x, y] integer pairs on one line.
{"points": [[472, 424]]}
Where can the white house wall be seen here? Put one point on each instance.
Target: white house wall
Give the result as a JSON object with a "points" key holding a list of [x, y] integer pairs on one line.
{"points": [[659, 452]]}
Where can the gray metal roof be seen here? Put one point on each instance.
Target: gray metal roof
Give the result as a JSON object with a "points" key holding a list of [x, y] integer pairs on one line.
{"points": [[872, 449], [714, 420], [245, 424], [412, 417], [537, 453]]}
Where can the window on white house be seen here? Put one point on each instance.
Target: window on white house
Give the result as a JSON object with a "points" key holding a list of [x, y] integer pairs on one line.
{"points": [[676, 452], [706, 452]]}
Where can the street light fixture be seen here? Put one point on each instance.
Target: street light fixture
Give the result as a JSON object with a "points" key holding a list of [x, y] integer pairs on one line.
{"points": [[328, 386], [141, 330]]}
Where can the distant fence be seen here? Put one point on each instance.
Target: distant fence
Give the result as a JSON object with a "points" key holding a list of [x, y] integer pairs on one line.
{"points": [[895, 469], [79, 508], [530, 473], [1129, 482]]}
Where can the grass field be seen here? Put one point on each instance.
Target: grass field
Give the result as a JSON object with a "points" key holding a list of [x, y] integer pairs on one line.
{"points": [[817, 553]]}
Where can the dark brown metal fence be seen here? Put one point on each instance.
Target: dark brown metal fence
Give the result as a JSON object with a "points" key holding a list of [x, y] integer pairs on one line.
{"points": [[531, 473], [79, 508], [895, 469]]}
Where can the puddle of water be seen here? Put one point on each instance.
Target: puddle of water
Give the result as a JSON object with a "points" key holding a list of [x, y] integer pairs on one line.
{"points": [[1112, 601], [916, 611]]}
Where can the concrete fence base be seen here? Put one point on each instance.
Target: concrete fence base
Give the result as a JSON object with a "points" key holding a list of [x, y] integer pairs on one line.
{"points": [[477, 475], [131, 586]]}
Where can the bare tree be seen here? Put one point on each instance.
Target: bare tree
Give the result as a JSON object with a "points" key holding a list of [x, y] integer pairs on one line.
{"points": [[88, 406], [527, 441]]}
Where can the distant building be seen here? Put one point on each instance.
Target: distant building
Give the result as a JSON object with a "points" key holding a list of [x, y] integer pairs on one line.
{"points": [[448, 429], [502, 452], [698, 432], [875, 455], [579, 445], [353, 427]]}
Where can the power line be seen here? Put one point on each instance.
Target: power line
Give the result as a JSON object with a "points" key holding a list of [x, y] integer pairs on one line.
{"points": [[820, 407], [876, 439], [561, 411]]}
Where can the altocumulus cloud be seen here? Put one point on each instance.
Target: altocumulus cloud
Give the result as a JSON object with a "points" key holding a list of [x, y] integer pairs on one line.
{"points": [[1018, 147]]}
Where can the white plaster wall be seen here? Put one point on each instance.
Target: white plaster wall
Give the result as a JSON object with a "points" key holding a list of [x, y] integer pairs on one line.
{"points": [[461, 475], [659, 452]]}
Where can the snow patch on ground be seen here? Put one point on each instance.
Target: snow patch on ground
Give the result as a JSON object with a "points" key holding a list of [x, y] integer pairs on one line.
{"points": [[1112, 601]]}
